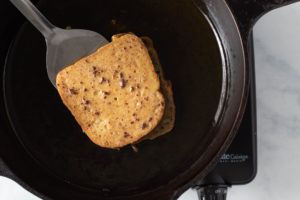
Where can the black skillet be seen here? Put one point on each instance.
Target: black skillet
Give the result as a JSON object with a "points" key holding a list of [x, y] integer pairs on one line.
{"points": [[204, 55]]}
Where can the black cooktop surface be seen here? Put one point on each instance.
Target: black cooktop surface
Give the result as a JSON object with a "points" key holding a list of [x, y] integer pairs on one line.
{"points": [[238, 165]]}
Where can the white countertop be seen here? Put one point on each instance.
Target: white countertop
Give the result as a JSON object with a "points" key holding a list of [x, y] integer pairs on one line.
{"points": [[277, 60]]}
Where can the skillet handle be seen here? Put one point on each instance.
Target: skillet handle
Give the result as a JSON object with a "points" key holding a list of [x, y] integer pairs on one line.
{"points": [[247, 12], [212, 192]]}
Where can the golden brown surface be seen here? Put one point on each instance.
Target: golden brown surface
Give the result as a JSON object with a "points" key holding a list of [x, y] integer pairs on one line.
{"points": [[168, 121], [114, 93]]}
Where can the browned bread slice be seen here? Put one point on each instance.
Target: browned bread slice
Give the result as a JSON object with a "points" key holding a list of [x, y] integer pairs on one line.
{"points": [[168, 120], [114, 93]]}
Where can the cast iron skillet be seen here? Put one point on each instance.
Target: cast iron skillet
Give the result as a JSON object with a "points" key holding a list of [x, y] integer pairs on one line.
{"points": [[44, 150]]}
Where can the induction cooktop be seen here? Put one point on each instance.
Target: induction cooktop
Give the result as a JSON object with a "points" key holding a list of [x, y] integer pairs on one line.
{"points": [[239, 164]]}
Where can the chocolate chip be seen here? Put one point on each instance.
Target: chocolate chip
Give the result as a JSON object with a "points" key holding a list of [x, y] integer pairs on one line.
{"points": [[73, 91], [107, 93], [85, 101], [126, 135], [85, 89], [131, 122], [95, 71], [150, 119], [131, 89], [144, 125], [121, 75], [87, 61], [115, 98], [97, 113], [122, 83], [133, 114], [102, 80], [81, 82]]}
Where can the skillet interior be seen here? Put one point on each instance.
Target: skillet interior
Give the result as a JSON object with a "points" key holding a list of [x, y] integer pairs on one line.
{"points": [[191, 60]]}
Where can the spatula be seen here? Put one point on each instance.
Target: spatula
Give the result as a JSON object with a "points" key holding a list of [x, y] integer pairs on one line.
{"points": [[64, 47]]}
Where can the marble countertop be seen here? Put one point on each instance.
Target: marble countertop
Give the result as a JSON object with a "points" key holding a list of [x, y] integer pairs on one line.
{"points": [[277, 60]]}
